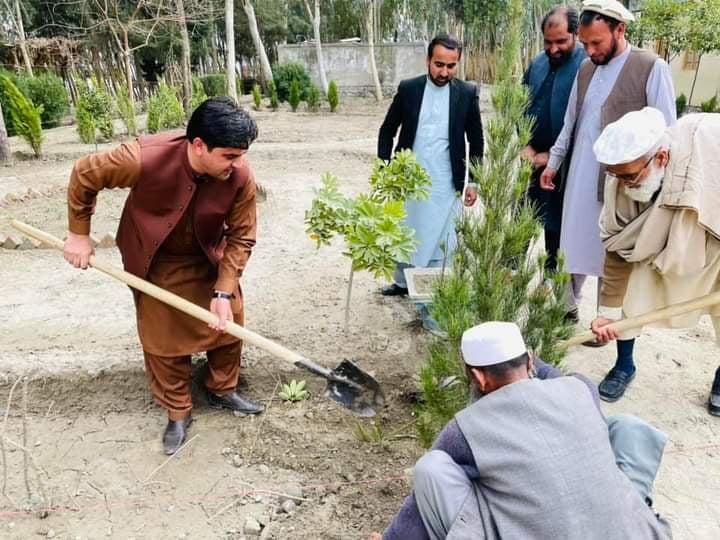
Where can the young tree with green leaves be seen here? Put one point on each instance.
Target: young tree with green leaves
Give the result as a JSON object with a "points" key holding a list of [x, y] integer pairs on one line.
{"points": [[492, 275], [372, 224]]}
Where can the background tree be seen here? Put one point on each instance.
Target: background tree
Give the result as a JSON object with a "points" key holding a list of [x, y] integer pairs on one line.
{"points": [[370, 25], [5, 152], [315, 19], [257, 40], [185, 59], [230, 36]]}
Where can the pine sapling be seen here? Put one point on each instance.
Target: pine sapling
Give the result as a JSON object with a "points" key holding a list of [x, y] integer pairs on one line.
{"points": [[294, 97], [333, 96], [494, 272], [257, 96], [24, 115], [274, 101], [313, 98]]}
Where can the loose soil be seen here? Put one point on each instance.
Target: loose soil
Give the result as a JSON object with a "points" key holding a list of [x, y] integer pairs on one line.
{"points": [[94, 433]]}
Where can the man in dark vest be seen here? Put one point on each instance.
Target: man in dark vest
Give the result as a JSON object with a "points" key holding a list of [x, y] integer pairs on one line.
{"points": [[188, 226], [615, 80], [435, 113], [550, 78]]}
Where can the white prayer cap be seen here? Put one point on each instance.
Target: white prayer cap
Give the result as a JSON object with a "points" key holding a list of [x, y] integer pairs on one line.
{"points": [[631, 137], [611, 8], [492, 343]]}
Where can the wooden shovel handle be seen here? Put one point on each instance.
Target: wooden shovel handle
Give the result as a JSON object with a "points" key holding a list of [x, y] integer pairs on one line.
{"points": [[648, 318], [179, 303]]}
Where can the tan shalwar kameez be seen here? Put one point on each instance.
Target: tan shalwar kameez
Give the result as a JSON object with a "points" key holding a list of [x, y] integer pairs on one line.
{"points": [[667, 250], [168, 336]]}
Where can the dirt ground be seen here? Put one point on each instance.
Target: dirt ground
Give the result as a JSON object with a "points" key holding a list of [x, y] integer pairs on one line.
{"points": [[93, 432]]}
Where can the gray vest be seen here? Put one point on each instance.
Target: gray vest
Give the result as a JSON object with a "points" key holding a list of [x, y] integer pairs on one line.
{"points": [[547, 470]]}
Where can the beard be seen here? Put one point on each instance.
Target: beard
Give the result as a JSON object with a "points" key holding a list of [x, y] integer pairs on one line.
{"points": [[559, 59], [438, 82], [605, 60], [649, 186]]}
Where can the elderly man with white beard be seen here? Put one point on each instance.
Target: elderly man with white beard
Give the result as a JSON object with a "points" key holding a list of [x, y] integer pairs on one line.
{"points": [[660, 228]]}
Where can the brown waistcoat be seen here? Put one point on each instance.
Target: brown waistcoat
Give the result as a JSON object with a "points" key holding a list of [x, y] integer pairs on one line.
{"points": [[627, 95], [161, 196]]}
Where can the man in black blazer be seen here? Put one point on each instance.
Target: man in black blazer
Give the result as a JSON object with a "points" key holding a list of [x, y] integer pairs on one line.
{"points": [[442, 151]]}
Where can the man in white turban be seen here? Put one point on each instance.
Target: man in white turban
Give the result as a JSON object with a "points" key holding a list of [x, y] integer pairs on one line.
{"points": [[660, 228], [532, 458]]}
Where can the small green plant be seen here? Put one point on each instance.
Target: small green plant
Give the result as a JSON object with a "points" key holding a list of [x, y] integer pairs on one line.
{"points": [[126, 109], [274, 101], [198, 94], [294, 98], [294, 391], [164, 110], [215, 84], [681, 105], [376, 434], [372, 224], [333, 96], [45, 90], [710, 106], [313, 98], [25, 116], [285, 74], [257, 96], [94, 113]]}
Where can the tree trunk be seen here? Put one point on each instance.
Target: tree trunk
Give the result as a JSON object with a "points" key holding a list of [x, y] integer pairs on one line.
{"points": [[4, 141], [21, 37], [371, 49], [692, 89], [230, 44], [257, 41], [128, 67], [461, 36], [185, 61], [315, 19], [347, 297]]}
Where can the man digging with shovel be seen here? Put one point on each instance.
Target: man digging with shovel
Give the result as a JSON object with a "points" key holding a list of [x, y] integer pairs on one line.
{"points": [[188, 226], [660, 227]]}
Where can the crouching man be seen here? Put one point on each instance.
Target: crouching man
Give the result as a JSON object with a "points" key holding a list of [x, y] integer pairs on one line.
{"points": [[532, 458]]}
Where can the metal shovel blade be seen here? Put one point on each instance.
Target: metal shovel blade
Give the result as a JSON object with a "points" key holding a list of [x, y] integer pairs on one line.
{"points": [[362, 394]]}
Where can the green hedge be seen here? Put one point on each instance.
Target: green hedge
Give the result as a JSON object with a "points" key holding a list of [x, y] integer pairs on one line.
{"points": [[46, 92], [284, 74], [164, 110], [214, 84]]}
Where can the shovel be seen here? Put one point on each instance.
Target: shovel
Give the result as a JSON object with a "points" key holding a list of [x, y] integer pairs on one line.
{"points": [[667, 312], [347, 384]]}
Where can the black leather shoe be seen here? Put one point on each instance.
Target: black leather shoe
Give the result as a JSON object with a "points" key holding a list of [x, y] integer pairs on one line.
{"points": [[614, 384], [394, 290], [234, 402], [572, 316], [714, 400], [714, 404], [175, 434]]}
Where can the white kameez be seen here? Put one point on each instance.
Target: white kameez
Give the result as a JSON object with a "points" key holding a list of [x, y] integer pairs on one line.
{"points": [[580, 234], [434, 219]]}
